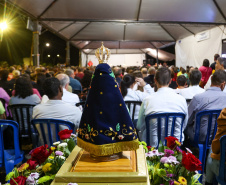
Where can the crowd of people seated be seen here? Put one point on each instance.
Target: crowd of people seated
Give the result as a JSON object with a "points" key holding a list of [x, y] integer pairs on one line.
{"points": [[55, 91]]}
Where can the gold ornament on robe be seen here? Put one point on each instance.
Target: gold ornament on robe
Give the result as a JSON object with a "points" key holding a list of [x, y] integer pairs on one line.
{"points": [[103, 54]]}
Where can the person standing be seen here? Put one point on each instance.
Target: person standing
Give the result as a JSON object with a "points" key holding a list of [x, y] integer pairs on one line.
{"points": [[216, 56], [206, 72]]}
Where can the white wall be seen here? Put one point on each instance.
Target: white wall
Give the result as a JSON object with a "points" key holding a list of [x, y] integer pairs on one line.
{"points": [[83, 58], [121, 59], [190, 52]]}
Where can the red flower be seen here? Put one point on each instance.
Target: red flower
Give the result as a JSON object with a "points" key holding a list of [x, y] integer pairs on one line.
{"points": [[171, 142], [21, 180], [148, 147], [190, 162], [40, 154], [32, 164], [65, 134]]}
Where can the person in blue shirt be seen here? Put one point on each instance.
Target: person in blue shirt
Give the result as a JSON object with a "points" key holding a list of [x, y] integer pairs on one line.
{"points": [[212, 98], [75, 84]]}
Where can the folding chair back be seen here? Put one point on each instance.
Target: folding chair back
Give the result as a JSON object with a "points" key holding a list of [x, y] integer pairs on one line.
{"points": [[132, 105], [164, 118], [22, 114], [48, 129], [210, 134], [10, 157]]}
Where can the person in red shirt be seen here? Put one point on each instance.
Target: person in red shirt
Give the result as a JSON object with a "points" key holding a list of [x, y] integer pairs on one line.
{"points": [[206, 72]]}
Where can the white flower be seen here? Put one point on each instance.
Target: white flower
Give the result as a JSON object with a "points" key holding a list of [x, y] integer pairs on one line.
{"points": [[56, 143], [63, 145], [72, 183], [170, 159], [31, 180], [188, 150], [34, 175], [62, 157], [154, 153], [73, 135], [121, 137]]}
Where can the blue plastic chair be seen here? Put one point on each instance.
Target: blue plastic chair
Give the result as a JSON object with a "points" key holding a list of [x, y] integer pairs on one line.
{"points": [[166, 117], [11, 157], [22, 114], [203, 147], [52, 129], [221, 178]]}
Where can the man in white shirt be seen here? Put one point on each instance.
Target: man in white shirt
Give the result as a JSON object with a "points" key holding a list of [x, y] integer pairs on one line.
{"points": [[67, 97], [55, 107], [193, 89], [164, 100]]}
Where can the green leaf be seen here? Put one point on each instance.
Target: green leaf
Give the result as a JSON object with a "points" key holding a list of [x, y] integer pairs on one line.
{"points": [[161, 172], [195, 179], [179, 158], [66, 152], [9, 175], [118, 127], [166, 165], [112, 74], [161, 147], [16, 174], [71, 144], [45, 179], [143, 143], [88, 127], [145, 148]]}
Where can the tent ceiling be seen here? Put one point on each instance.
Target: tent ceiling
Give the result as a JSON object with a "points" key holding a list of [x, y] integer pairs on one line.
{"points": [[124, 24]]}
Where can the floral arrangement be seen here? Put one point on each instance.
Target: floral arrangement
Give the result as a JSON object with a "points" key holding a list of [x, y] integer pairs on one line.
{"points": [[44, 163], [169, 165]]}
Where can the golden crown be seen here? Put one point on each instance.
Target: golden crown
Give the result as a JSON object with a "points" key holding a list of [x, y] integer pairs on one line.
{"points": [[102, 54]]}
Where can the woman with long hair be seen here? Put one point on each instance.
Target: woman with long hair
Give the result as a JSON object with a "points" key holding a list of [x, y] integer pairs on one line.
{"points": [[24, 93], [129, 94]]}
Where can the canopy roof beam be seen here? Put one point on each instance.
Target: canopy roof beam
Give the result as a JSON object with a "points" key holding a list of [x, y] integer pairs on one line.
{"points": [[80, 30], [65, 27], [86, 45], [90, 51], [166, 45], [48, 7], [99, 40], [219, 9], [131, 21], [167, 32], [124, 32], [138, 14], [79, 43], [142, 51], [153, 45], [187, 29]]}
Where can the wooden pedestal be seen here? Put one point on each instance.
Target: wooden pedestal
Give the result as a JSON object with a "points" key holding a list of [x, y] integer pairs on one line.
{"points": [[81, 169]]}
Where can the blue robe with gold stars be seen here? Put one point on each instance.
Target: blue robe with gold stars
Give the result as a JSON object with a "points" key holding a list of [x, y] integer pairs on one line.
{"points": [[106, 127]]}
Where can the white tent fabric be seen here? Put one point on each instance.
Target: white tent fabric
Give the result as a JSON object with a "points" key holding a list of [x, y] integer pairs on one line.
{"points": [[190, 52], [127, 26], [83, 22], [121, 59]]}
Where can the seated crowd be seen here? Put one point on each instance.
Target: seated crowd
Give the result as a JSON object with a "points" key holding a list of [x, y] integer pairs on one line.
{"points": [[55, 92]]}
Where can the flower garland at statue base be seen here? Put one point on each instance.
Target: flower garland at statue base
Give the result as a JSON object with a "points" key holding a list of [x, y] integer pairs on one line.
{"points": [[169, 165], [44, 163]]}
